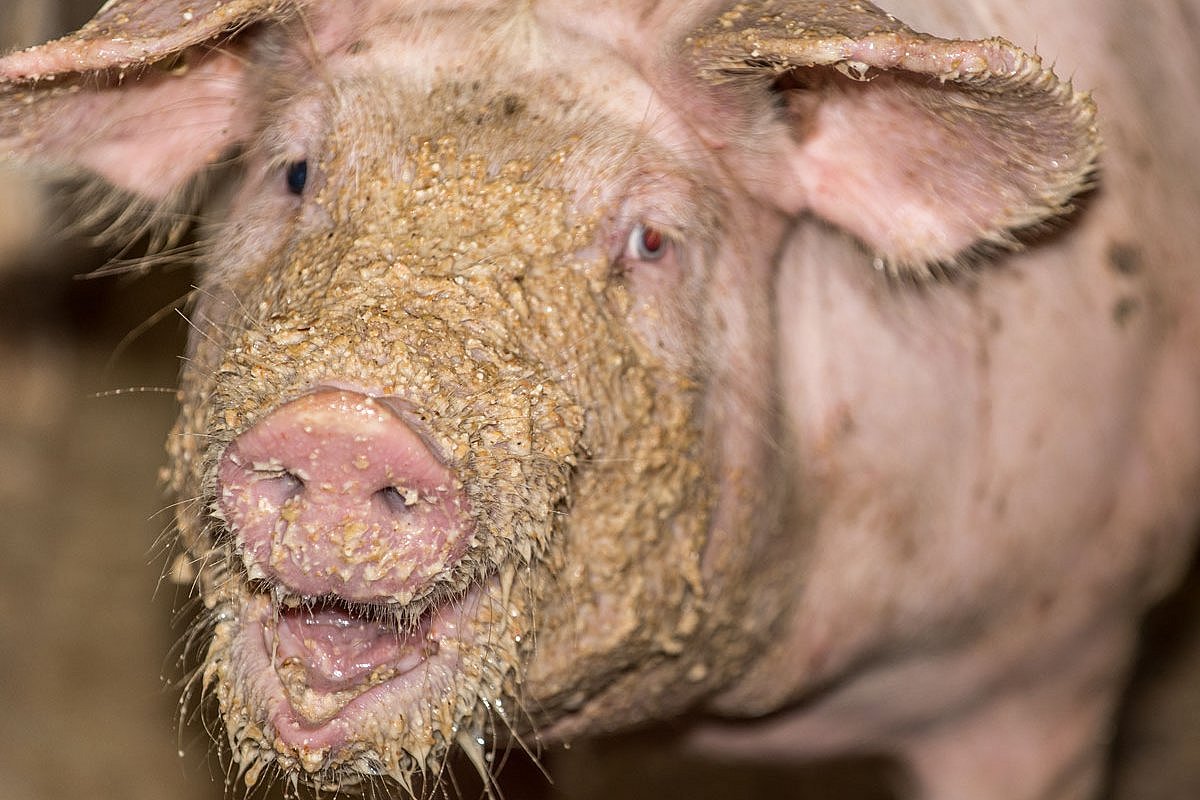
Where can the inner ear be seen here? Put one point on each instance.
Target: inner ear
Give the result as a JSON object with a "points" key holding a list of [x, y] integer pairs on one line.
{"points": [[925, 149], [924, 171]]}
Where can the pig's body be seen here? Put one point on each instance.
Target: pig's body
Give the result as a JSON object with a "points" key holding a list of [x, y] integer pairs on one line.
{"points": [[1044, 423], [746, 473]]}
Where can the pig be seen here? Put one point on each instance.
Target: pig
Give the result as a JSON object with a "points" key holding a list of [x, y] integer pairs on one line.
{"points": [[560, 367]]}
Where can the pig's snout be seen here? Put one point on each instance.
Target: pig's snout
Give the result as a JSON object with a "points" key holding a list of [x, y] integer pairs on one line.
{"points": [[335, 493]]}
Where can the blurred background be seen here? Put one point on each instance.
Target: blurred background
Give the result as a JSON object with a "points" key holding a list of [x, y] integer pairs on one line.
{"points": [[89, 635]]}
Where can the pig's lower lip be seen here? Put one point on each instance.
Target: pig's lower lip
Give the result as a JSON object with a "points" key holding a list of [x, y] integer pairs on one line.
{"points": [[328, 675]]}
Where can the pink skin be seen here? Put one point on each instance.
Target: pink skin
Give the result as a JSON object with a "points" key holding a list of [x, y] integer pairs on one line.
{"points": [[334, 493]]}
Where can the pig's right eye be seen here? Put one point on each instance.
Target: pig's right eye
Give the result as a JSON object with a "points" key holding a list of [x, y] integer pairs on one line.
{"points": [[297, 177], [647, 243]]}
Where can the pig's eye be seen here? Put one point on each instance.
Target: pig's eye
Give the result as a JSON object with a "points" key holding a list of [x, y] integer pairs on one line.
{"points": [[297, 176], [647, 243]]}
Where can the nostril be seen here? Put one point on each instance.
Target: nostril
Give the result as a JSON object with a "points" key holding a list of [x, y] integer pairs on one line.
{"points": [[398, 499], [274, 487], [286, 483]]}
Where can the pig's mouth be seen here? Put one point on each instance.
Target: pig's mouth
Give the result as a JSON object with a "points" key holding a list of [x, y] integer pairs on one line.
{"points": [[328, 651], [332, 676]]}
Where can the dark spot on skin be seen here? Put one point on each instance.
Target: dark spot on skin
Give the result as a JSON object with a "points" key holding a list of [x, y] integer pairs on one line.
{"points": [[361, 46], [512, 105], [837, 427], [1124, 309], [1125, 259], [846, 422], [1000, 506], [1046, 603]]}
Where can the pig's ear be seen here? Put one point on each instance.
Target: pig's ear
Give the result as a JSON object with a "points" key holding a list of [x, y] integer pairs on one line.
{"points": [[923, 148], [146, 94]]}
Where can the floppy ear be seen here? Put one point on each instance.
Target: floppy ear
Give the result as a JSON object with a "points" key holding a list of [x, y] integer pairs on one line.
{"points": [[147, 94], [923, 148]]}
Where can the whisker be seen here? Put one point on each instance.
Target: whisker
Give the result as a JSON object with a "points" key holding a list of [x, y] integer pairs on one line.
{"points": [[132, 390], [196, 328], [141, 265], [177, 504]]}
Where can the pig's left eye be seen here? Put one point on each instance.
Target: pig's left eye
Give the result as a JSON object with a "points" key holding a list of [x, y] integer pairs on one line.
{"points": [[297, 177], [647, 243]]}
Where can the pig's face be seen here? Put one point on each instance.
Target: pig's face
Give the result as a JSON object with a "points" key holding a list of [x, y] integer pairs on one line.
{"points": [[443, 412]]}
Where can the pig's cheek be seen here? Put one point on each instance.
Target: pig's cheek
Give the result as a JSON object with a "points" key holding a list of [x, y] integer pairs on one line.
{"points": [[662, 314], [244, 249], [657, 328]]}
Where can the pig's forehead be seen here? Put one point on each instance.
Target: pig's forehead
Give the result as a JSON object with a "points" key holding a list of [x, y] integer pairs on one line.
{"points": [[504, 48]]}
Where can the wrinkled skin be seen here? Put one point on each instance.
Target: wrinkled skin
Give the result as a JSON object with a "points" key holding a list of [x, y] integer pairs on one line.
{"points": [[763, 387]]}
